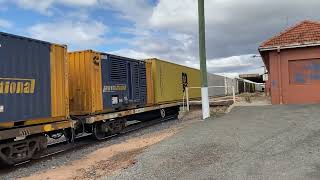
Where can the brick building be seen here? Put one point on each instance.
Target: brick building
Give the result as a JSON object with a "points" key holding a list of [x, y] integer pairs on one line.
{"points": [[292, 59]]}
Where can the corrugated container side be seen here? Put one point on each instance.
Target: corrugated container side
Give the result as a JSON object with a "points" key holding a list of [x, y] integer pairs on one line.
{"points": [[170, 79], [96, 79], [32, 81], [59, 81], [85, 82], [59, 85], [150, 87], [216, 80]]}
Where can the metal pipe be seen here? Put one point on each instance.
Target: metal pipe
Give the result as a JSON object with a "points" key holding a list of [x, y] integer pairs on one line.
{"points": [[234, 95]]}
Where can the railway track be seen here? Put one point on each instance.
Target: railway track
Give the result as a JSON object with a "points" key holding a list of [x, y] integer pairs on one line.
{"points": [[82, 142]]}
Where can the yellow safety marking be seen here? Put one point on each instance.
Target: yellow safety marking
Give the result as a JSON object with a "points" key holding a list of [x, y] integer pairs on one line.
{"points": [[48, 128]]}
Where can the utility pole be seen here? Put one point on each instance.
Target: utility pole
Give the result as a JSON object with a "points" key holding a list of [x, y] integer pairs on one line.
{"points": [[203, 61]]}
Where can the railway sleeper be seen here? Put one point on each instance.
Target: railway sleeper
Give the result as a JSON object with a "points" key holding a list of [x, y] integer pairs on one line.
{"points": [[19, 151]]}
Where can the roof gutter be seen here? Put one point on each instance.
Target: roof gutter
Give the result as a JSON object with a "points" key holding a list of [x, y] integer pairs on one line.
{"points": [[271, 48]]}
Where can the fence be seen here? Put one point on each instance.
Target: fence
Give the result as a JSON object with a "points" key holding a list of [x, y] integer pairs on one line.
{"points": [[187, 94]]}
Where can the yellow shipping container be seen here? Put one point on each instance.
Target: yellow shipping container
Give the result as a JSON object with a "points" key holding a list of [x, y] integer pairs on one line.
{"points": [[170, 80], [85, 82]]}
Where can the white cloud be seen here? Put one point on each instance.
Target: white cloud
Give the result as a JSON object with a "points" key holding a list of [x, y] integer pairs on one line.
{"points": [[178, 14], [5, 24], [84, 3], [239, 61], [172, 47], [132, 54], [40, 6], [236, 64], [46, 6], [229, 75], [76, 34], [137, 11], [232, 66], [136, 31]]}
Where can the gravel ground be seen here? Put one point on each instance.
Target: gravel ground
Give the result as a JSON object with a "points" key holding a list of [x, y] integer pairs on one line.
{"points": [[65, 158], [263, 142]]}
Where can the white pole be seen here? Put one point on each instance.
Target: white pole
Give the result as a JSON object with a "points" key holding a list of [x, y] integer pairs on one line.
{"points": [[183, 99], [234, 95], [187, 98], [205, 103], [225, 86]]}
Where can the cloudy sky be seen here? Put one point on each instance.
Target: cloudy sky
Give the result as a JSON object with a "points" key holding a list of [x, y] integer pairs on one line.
{"points": [[166, 29]]}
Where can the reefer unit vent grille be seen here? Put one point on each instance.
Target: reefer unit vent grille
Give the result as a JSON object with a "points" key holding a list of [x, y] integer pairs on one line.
{"points": [[136, 80], [143, 80], [118, 70]]}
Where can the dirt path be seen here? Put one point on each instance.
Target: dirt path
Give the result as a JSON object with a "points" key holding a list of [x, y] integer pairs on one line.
{"points": [[105, 160]]}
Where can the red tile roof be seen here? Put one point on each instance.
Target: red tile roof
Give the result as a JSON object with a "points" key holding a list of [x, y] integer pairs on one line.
{"points": [[304, 33]]}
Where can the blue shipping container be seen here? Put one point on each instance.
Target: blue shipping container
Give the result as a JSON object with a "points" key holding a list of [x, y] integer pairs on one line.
{"points": [[123, 81], [24, 79]]}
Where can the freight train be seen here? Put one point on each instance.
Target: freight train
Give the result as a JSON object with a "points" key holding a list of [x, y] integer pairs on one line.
{"points": [[46, 91]]}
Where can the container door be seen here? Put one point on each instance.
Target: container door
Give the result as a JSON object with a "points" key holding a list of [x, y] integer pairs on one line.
{"points": [[24, 79]]}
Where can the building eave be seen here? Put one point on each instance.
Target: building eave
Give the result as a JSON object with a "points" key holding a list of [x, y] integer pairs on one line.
{"points": [[291, 46]]}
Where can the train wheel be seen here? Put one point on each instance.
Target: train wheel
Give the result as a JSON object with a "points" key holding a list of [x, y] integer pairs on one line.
{"points": [[70, 135], [103, 129], [163, 113], [100, 130], [43, 143]]}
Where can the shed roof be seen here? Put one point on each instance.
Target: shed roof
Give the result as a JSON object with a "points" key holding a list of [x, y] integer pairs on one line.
{"points": [[305, 33]]}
